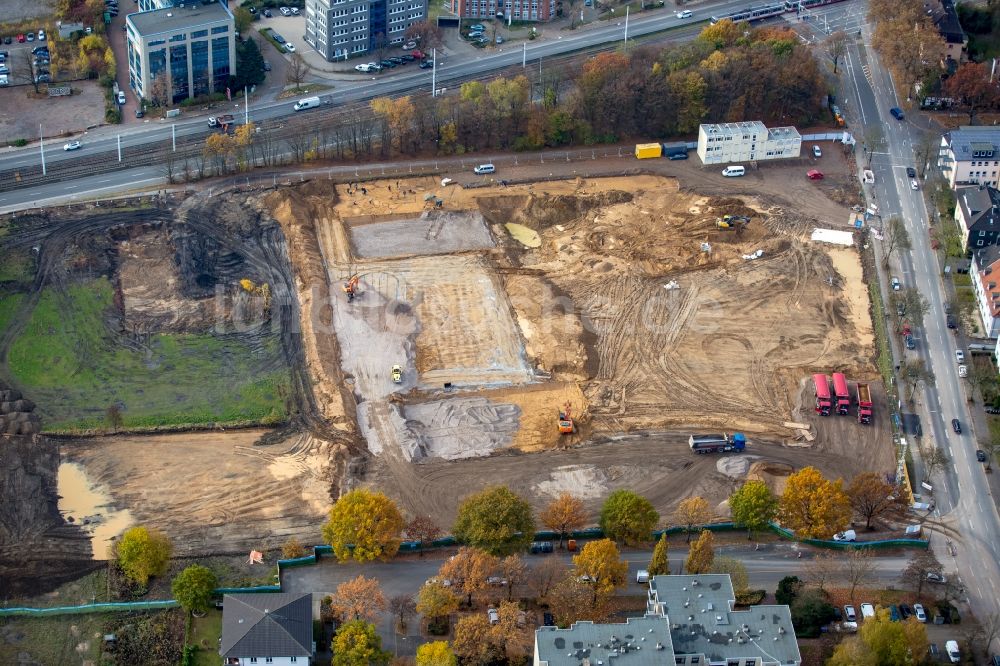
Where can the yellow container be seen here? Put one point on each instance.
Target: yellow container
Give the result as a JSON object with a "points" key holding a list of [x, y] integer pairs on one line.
{"points": [[646, 150]]}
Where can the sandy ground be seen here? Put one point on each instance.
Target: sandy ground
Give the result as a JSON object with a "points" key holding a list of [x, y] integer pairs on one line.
{"points": [[211, 492]]}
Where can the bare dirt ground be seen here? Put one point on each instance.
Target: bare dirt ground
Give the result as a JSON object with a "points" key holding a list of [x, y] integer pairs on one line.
{"points": [[19, 114], [214, 492], [620, 309]]}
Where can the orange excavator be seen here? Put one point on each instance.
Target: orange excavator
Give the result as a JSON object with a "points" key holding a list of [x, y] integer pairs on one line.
{"points": [[351, 287], [566, 424]]}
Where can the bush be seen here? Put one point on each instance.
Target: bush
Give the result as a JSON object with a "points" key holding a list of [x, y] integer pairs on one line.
{"points": [[788, 589], [750, 597], [113, 115], [810, 612], [19, 143]]}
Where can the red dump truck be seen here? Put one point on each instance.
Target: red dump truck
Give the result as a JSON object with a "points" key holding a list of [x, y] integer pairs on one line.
{"points": [[822, 394], [864, 404], [842, 392]]}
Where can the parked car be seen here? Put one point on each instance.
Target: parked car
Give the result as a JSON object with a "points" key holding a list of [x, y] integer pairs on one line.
{"points": [[548, 619], [850, 614], [963, 371], [960, 356], [426, 64], [905, 611], [981, 456], [478, 26], [952, 323], [366, 67], [814, 174], [918, 611], [30, 36], [285, 11], [908, 340], [388, 63], [4, 69], [41, 35], [267, 66], [540, 547], [409, 46], [406, 57], [42, 78], [397, 60], [139, 113], [276, 37], [21, 39], [6, 40], [484, 169], [267, 13], [896, 284], [894, 614], [817, 152], [289, 48], [956, 425], [294, 10], [897, 113], [72, 145], [848, 535], [954, 656], [911, 172], [934, 577], [121, 97], [493, 615], [914, 185], [867, 610], [499, 39]]}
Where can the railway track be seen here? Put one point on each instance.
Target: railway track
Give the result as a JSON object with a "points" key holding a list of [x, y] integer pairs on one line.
{"points": [[279, 130]]}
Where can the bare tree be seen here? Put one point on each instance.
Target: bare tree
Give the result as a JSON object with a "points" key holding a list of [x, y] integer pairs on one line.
{"points": [[836, 47], [896, 238], [921, 563], [544, 575], [824, 569], [926, 148], [933, 459], [297, 71], [915, 372], [857, 568], [427, 34], [916, 306], [380, 47], [402, 606]]}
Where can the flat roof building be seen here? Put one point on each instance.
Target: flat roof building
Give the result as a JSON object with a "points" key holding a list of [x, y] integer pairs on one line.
{"points": [[180, 52], [749, 141], [339, 29], [690, 620]]}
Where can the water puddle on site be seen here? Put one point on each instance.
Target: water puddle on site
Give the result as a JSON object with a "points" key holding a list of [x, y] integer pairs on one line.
{"points": [[89, 505], [526, 236]]}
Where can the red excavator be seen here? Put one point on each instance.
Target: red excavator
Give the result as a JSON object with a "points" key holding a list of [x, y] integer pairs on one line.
{"points": [[351, 288], [566, 424]]}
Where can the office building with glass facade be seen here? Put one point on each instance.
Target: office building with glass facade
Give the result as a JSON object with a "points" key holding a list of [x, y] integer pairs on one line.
{"points": [[192, 46]]}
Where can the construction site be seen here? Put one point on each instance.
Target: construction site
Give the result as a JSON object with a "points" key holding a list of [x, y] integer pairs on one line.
{"points": [[432, 337]]}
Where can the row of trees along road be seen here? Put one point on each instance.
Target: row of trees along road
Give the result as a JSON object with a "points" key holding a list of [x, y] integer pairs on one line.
{"points": [[728, 73]]}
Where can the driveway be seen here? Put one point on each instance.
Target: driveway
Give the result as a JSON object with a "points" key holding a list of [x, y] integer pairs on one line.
{"points": [[119, 46]]}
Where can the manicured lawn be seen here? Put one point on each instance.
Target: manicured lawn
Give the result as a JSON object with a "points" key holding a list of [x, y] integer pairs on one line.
{"points": [[204, 634], [74, 366]]}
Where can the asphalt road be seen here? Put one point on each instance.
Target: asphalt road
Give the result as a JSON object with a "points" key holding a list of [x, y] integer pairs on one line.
{"points": [[961, 490], [401, 80], [766, 566]]}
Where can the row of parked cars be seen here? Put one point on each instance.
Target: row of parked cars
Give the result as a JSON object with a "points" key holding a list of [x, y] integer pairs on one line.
{"points": [[393, 62]]}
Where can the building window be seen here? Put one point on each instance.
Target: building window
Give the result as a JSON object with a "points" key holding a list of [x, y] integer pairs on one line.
{"points": [[157, 42], [179, 72], [179, 38], [220, 62], [979, 243], [199, 68], [199, 33], [218, 30]]}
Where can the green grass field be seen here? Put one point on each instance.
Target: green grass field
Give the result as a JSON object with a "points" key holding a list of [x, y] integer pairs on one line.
{"points": [[68, 362], [8, 305], [17, 266], [204, 634]]}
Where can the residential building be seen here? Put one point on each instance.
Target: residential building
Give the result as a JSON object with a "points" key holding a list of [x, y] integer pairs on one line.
{"points": [[945, 17], [192, 45], [517, 10], [339, 29], [689, 620], [977, 212], [970, 156], [267, 629], [746, 142], [986, 285]]}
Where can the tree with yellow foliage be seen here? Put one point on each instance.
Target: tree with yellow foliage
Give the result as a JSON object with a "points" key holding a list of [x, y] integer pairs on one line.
{"points": [[563, 515], [882, 641], [692, 512], [814, 507], [436, 653], [435, 601], [356, 643], [364, 525], [702, 554], [600, 566], [469, 570]]}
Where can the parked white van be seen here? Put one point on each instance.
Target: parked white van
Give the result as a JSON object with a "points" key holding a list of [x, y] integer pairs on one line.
{"points": [[485, 168], [733, 171], [307, 103]]}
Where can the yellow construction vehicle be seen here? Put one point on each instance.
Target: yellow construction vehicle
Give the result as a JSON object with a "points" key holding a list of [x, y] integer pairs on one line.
{"points": [[351, 287], [261, 289], [397, 374]]}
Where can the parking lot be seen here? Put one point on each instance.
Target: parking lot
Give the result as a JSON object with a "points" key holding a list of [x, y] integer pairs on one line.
{"points": [[21, 115]]}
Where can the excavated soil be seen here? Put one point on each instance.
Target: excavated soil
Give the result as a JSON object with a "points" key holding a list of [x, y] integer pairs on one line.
{"points": [[633, 307]]}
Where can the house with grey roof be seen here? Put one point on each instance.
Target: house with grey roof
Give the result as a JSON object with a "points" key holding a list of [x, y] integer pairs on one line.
{"points": [[267, 629], [690, 620], [970, 155], [977, 212]]}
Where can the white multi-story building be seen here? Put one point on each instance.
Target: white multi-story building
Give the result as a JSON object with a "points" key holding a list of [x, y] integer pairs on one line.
{"points": [[192, 45], [746, 142], [970, 156], [339, 29]]}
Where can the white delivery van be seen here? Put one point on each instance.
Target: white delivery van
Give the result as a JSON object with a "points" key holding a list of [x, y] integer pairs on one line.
{"points": [[307, 103], [484, 168], [732, 171], [642, 576]]}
